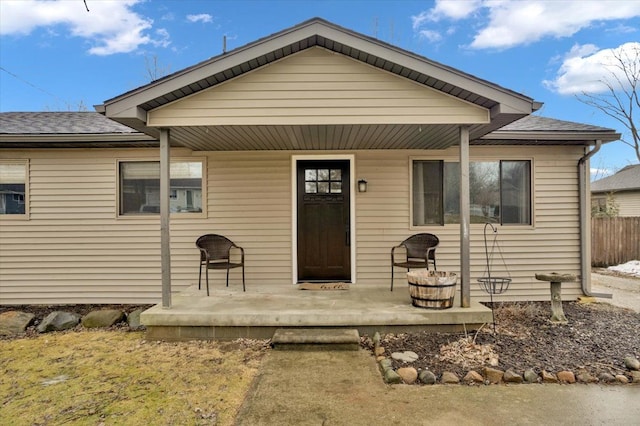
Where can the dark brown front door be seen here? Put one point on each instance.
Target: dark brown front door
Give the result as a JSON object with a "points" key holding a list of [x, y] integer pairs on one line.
{"points": [[324, 239]]}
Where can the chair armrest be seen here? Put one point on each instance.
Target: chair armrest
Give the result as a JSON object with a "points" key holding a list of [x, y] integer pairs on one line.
{"points": [[430, 250], [393, 250], [204, 254], [241, 252]]}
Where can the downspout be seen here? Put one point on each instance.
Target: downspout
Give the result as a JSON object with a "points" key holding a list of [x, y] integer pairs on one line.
{"points": [[585, 228]]}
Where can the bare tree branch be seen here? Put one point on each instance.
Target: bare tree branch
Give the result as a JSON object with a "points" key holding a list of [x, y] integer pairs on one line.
{"points": [[621, 101]]}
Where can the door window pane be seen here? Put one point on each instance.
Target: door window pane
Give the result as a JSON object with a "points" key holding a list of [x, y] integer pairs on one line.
{"points": [[323, 181]]}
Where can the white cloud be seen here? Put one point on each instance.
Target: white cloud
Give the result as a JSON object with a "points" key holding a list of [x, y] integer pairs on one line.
{"points": [[446, 9], [431, 36], [111, 26], [585, 67], [512, 23], [201, 17]]}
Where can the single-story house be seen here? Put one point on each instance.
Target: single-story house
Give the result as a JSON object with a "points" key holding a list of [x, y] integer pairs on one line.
{"points": [[266, 144], [619, 192]]}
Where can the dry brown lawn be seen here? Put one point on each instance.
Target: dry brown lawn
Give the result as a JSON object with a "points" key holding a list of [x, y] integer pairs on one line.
{"points": [[116, 377]]}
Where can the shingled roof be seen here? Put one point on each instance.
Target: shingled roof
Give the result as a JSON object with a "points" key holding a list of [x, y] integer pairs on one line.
{"points": [[67, 130], [60, 123], [536, 130], [627, 179]]}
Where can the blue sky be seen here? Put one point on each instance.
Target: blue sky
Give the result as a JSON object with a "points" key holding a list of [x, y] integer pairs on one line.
{"points": [[57, 56]]}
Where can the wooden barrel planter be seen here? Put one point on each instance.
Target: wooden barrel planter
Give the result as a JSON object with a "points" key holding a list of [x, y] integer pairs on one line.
{"points": [[432, 289]]}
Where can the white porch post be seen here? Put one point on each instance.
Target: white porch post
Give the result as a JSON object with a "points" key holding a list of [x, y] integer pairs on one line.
{"points": [[165, 248], [465, 245]]}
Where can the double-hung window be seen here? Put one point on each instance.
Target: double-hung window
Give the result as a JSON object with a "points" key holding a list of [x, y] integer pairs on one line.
{"points": [[139, 187], [13, 188], [500, 192]]}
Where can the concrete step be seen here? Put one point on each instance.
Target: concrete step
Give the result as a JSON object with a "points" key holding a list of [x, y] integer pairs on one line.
{"points": [[337, 339]]}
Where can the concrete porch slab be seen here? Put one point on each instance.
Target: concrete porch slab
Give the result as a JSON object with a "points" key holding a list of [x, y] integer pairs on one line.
{"points": [[230, 313]]}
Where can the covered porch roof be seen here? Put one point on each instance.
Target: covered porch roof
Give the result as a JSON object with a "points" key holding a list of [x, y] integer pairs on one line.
{"points": [[502, 106]]}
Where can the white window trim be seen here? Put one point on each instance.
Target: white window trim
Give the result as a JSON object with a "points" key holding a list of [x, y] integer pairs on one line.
{"points": [[294, 209]]}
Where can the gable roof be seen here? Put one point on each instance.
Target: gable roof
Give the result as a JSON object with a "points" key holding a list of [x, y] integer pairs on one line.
{"points": [[627, 179], [504, 105], [66, 129]]}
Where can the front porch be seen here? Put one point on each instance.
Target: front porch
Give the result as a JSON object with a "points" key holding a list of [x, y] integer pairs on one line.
{"points": [[229, 313]]}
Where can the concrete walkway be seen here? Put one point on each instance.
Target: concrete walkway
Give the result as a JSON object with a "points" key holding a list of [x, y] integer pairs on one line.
{"points": [[345, 388], [625, 290]]}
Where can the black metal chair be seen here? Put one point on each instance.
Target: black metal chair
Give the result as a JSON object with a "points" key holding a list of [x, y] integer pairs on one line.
{"points": [[215, 253], [420, 251]]}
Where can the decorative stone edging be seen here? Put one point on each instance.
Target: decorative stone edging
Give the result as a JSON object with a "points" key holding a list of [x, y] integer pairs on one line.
{"points": [[16, 323], [491, 375]]}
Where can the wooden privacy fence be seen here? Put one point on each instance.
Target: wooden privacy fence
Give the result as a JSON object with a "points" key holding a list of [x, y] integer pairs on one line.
{"points": [[614, 240]]}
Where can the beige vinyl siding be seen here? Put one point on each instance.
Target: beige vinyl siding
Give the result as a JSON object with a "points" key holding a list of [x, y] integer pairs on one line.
{"points": [[318, 87], [74, 248], [628, 203], [551, 244]]}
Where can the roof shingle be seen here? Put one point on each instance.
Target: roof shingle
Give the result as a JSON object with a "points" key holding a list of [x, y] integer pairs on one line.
{"points": [[627, 179], [60, 123]]}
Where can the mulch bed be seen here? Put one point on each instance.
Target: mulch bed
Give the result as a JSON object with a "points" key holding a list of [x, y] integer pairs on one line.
{"points": [[596, 339]]}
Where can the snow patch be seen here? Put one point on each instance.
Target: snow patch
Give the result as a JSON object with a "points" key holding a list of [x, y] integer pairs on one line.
{"points": [[632, 267]]}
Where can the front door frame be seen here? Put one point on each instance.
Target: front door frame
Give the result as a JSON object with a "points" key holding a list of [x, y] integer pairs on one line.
{"points": [[294, 208]]}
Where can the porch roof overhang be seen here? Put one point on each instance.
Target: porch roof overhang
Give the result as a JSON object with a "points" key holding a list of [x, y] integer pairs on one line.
{"points": [[503, 106]]}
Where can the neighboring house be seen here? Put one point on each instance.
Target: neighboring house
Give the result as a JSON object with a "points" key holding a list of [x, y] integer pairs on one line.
{"points": [[266, 145], [619, 193]]}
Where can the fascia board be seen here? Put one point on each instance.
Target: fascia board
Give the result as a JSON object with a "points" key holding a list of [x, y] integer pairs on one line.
{"points": [[101, 137], [541, 135]]}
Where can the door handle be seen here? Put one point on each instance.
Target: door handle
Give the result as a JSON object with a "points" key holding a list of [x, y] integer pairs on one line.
{"points": [[348, 235]]}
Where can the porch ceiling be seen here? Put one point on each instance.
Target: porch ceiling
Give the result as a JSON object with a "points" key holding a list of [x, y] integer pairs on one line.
{"points": [[315, 137]]}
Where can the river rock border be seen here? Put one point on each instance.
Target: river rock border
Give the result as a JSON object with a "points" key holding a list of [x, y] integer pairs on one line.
{"points": [[18, 323], [491, 375]]}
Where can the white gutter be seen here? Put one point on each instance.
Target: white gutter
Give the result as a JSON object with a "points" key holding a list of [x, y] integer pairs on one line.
{"points": [[585, 229]]}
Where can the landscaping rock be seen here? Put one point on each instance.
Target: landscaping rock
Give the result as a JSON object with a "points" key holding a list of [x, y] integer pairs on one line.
{"points": [[449, 378], [635, 376], [133, 319], [386, 364], [102, 318], [584, 377], [14, 322], [473, 377], [530, 376], [409, 375], [391, 377], [406, 356], [548, 377], [632, 363], [606, 378], [566, 377], [58, 321], [493, 375], [621, 378], [511, 376], [379, 351], [427, 377]]}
